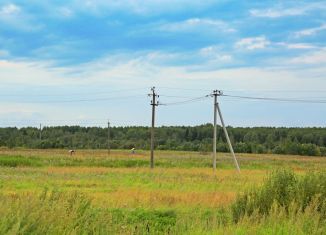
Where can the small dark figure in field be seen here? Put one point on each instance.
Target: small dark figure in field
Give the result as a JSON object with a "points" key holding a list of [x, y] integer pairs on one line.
{"points": [[71, 151]]}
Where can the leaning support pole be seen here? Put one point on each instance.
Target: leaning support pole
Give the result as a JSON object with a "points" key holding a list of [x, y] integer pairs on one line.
{"points": [[227, 137]]}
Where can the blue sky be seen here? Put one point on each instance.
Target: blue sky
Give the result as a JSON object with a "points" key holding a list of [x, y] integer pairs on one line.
{"points": [[82, 62]]}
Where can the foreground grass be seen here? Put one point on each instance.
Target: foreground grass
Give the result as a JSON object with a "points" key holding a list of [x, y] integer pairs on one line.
{"points": [[73, 213], [94, 193]]}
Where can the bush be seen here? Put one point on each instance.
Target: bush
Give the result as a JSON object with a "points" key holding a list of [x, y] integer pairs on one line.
{"points": [[309, 149], [284, 189], [323, 151]]}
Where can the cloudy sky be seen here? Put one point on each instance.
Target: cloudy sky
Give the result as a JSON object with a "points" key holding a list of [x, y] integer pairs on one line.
{"points": [[82, 62]]}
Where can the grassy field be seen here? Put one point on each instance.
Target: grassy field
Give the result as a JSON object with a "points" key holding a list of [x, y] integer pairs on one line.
{"points": [[119, 194]]}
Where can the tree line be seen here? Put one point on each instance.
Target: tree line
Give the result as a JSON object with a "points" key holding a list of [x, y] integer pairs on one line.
{"points": [[298, 141]]}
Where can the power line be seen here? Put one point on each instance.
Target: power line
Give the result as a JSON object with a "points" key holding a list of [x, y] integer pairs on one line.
{"points": [[51, 120], [83, 100], [277, 99], [183, 89], [196, 99], [176, 96], [278, 91], [72, 94]]}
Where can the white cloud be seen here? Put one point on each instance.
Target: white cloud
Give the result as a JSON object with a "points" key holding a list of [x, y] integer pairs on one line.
{"points": [[197, 23], [300, 46], [283, 10], [215, 55], [145, 7], [310, 31], [14, 16], [4, 53], [10, 9], [297, 45], [313, 58], [253, 43], [65, 12], [31, 73], [277, 12]]}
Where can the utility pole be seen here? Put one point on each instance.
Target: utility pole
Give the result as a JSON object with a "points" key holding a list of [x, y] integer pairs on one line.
{"points": [[109, 137], [217, 108], [215, 94], [154, 103], [40, 131]]}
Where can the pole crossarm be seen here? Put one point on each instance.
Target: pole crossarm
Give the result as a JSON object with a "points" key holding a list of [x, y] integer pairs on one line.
{"points": [[216, 93], [154, 96]]}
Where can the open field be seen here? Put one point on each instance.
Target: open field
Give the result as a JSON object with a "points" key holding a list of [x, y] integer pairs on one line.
{"points": [[181, 191]]}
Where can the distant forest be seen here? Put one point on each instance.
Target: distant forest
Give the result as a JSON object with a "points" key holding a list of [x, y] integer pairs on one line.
{"points": [[299, 141]]}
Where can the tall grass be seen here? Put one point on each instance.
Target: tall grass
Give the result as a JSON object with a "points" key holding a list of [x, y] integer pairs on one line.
{"points": [[284, 204], [286, 190], [72, 213]]}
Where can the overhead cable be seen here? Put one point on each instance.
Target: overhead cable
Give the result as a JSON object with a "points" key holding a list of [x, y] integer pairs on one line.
{"points": [[276, 99], [85, 100], [186, 101]]}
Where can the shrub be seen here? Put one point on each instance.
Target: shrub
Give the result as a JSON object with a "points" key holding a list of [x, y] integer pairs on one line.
{"points": [[284, 189]]}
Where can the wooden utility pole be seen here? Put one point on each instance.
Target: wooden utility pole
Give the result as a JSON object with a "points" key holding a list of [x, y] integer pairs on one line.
{"points": [[154, 103], [109, 149]]}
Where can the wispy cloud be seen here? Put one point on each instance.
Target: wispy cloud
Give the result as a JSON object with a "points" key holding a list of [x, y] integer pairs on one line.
{"points": [[310, 31], [302, 46], [8, 10], [39, 72], [65, 12], [312, 58], [14, 16], [4, 53], [197, 23], [284, 10], [253, 43], [277, 12]]}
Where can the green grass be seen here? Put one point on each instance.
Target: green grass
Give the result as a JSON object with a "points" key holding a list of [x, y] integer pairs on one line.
{"points": [[163, 159], [50, 192], [73, 213]]}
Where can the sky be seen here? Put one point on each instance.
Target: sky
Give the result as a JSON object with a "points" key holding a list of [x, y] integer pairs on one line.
{"points": [[84, 62]]}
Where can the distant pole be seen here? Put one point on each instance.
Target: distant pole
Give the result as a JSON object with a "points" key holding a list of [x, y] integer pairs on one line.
{"points": [[153, 103], [40, 131], [227, 138], [215, 130], [109, 138]]}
